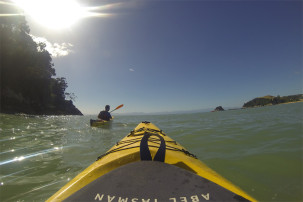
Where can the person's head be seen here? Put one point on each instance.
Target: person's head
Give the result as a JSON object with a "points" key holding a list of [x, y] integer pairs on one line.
{"points": [[107, 107]]}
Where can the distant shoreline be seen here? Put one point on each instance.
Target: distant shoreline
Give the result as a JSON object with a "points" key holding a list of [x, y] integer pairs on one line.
{"points": [[293, 102], [269, 100], [270, 105]]}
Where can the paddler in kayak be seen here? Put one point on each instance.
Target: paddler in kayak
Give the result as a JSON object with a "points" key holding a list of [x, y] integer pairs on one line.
{"points": [[105, 115]]}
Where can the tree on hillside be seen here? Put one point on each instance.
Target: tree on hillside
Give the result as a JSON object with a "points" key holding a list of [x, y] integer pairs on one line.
{"points": [[27, 82], [275, 100]]}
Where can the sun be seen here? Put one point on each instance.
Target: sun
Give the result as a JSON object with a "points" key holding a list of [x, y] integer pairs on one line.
{"points": [[53, 14]]}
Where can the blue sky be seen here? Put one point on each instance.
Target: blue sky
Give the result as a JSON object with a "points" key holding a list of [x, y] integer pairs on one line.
{"points": [[163, 56]]}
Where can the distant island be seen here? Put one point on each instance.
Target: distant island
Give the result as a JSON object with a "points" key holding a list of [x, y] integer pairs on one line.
{"points": [[218, 109], [27, 77], [272, 100], [267, 101]]}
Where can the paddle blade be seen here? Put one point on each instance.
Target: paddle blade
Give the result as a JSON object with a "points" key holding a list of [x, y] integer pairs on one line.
{"points": [[119, 107]]}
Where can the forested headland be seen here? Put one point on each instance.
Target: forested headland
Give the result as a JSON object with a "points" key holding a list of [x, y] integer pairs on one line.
{"points": [[28, 82], [272, 100]]}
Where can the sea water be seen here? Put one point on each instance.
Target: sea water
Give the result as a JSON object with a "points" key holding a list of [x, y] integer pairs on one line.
{"points": [[258, 149]]}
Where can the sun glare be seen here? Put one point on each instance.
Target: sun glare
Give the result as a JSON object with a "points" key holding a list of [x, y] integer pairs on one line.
{"points": [[55, 14]]}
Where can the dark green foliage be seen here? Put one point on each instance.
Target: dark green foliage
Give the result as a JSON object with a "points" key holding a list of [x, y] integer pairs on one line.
{"points": [[258, 102], [26, 73], [267, 100]]}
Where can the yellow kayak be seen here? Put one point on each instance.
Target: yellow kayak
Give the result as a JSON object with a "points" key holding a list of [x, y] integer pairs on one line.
{"points": [[99, 122], [147, 165]]}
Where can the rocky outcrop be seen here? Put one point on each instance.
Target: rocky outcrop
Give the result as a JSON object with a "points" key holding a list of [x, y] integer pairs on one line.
{"points": [[17, 106], [219, 108]]}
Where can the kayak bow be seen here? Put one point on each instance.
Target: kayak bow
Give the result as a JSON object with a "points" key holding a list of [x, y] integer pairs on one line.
{"points": [[147, 165]]}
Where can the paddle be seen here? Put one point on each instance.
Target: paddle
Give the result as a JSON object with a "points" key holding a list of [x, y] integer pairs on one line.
{"points": [[117, 108]]}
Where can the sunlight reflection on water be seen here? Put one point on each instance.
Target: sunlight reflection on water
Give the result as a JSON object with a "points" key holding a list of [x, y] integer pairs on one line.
{"points": [[258, 149]]}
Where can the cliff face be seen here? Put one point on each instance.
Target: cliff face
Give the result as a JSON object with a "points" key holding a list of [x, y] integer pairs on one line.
{"points": [[13, 105], [70, 109]]}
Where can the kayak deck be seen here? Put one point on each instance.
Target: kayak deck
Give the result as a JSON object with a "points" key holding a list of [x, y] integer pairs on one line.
{"points": [[128, 152], [142, 180]]}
